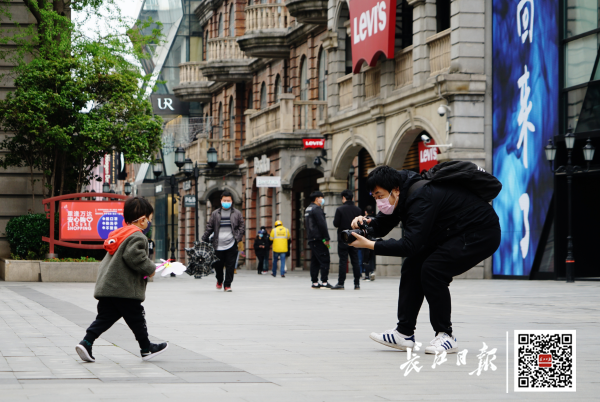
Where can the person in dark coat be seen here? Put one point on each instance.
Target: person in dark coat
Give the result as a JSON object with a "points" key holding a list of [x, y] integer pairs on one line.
{"points": [[318, 240], [447, 231], [344, 216], [261, 249]]}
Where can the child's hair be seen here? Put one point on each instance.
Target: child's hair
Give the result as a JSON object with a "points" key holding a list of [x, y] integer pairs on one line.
{"points": [[135, 208]]}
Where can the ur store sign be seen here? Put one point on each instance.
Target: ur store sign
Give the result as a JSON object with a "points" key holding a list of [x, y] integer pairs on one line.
{"points": [[427, 155], [89, 220], [373, 31]]}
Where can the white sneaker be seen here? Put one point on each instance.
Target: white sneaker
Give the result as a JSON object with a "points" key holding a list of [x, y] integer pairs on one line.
{"points": [[394, 339], [372, 276], [442, 343]]}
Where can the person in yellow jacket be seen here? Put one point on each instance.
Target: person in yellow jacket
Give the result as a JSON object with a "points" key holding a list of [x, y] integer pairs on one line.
{"points": [[280, 237]]}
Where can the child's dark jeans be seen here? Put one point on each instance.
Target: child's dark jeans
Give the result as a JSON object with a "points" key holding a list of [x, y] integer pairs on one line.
{"points": [[110, 309]]}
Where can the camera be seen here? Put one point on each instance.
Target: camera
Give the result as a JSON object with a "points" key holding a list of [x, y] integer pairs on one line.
{"points": [[363, 229], [425, 139], [441, 110]]}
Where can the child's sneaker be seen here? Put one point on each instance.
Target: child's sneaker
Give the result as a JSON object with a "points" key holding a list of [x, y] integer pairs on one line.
{"points": [[442, 343], [84, 350], [154, 350], [394, 339]]}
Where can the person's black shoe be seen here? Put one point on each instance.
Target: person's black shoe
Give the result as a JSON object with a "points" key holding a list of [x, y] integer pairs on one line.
{"points": [[274, 276], [84, 350], [198, 276], [173, 275], [356, 287], [154, 350], [283, 276], [316, 286], [328, 286], [338, 287]]}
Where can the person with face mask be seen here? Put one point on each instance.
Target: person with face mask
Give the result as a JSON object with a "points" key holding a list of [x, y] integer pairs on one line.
{"points": [[227, 226], [318, 240], [261, 249], [447, 231]]}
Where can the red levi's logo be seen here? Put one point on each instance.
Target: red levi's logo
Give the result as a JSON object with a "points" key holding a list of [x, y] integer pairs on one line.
{"points": [[314, 144], [545, 360], [372, 25], [427, 155]]}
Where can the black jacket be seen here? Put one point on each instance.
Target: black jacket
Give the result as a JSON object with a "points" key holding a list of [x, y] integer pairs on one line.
{"points": [[315, 223], [261, 252], [344, 216], [430, 215]]}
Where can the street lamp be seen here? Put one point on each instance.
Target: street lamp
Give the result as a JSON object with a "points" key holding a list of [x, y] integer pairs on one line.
{"points": [[105, 187], [569, 170], [127, 188], [173, 182], [211, 157], [191, 170], [180, 157], [157, 169]]}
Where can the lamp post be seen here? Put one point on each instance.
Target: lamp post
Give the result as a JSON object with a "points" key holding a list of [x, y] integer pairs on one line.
{"points": [[212, 157], [569, 169], [127, 188], [180, 162]]}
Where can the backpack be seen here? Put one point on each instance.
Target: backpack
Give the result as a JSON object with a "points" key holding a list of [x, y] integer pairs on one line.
{"points": [[466, 174]]}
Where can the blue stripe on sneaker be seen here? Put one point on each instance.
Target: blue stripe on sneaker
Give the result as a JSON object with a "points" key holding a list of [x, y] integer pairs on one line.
{"points": [[393, 338], [410, 338], [384, 338], [447, 345]]}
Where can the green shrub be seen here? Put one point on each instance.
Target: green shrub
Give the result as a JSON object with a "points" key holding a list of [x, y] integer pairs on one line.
{"points": [[25, 233], [80, 259]]}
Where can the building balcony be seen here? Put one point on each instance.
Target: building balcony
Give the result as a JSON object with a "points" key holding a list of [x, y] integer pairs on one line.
{"points": [[439, 52], [193, 85], [267, 28], [284, 124], [199, 147], [226, 61], [308, 11]]}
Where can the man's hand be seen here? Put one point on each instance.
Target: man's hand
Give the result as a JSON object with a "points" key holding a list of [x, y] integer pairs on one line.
{"points": [[362, 242], [153, 273], [359, 220]]}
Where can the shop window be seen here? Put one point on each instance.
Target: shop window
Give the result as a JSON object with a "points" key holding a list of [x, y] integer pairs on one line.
{"points": [[442, 8], [277, 93], [322, 75], [581, 16], [404, 25], [220, 31], [263, 96], [580, 56], [232, 20]]}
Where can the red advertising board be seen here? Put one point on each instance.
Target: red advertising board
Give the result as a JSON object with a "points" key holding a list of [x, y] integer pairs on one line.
{"points": [[427, 155], [89, 220], [373, 25], [313, 143]]}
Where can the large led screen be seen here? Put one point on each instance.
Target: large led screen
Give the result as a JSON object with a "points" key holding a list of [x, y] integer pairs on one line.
{"points": [[525, 104]]}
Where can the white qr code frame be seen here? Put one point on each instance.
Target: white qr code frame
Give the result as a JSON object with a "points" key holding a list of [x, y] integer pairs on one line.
{"points": [[522, 339]]}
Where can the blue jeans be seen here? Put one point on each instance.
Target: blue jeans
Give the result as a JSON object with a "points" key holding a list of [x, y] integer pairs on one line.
{"points": [[277, 256]]}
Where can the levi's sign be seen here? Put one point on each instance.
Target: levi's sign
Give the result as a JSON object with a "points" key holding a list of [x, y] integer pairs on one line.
{"points": [[313, 143], [373, 31]]}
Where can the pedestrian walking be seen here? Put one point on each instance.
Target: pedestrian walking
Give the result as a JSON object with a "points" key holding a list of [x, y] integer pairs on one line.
{"points": [[121, 285], [369, 266], [318, 240], [266, 262], [280, 236], [261, 249], [227, 225], [344, 216], [449, 227]]}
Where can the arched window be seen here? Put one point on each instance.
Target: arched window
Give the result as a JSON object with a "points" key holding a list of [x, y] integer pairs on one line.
{"points": [[263, 96], [304, 79], [220, 122], [322, 75], [277, 89], [232, 20], [220, 33], [231, 119]]}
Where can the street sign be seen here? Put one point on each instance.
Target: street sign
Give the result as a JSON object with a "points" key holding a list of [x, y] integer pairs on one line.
{"points": [[189, 201], [268, 181], [158, 189], [187, 185]]}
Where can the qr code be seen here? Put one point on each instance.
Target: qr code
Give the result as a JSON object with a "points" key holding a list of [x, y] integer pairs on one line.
{"points": [[545, 361]]}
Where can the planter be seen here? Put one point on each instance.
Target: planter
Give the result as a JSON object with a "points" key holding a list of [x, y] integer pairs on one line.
{"points": [[69, 271], [20, 270]]}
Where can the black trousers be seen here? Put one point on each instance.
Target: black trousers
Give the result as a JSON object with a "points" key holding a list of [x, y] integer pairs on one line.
{"points": [[110, 310], [261, 261], [368, 261], [343, 251], [429, 273], [227, 259], [319, 261]]}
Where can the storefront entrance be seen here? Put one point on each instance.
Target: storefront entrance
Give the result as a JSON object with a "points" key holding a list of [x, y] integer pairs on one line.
{"points": [[304, 184]]}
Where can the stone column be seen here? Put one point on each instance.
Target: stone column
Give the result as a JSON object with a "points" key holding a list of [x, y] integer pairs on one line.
{"points": [[424, 25], [467, 36], [332, 190], [286, 110]]}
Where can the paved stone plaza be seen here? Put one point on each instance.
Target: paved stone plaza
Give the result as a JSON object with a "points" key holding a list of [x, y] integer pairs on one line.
{"points": [[279, 340]]}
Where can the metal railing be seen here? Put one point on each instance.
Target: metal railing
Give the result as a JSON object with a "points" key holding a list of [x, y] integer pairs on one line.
{"points": [[345, 90], [404, 67], [190, 72], [268, 16], [439, 51], [224, 49]]}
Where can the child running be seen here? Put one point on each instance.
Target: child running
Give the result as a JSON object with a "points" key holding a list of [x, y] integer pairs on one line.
{"points": [[121, 284]]}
